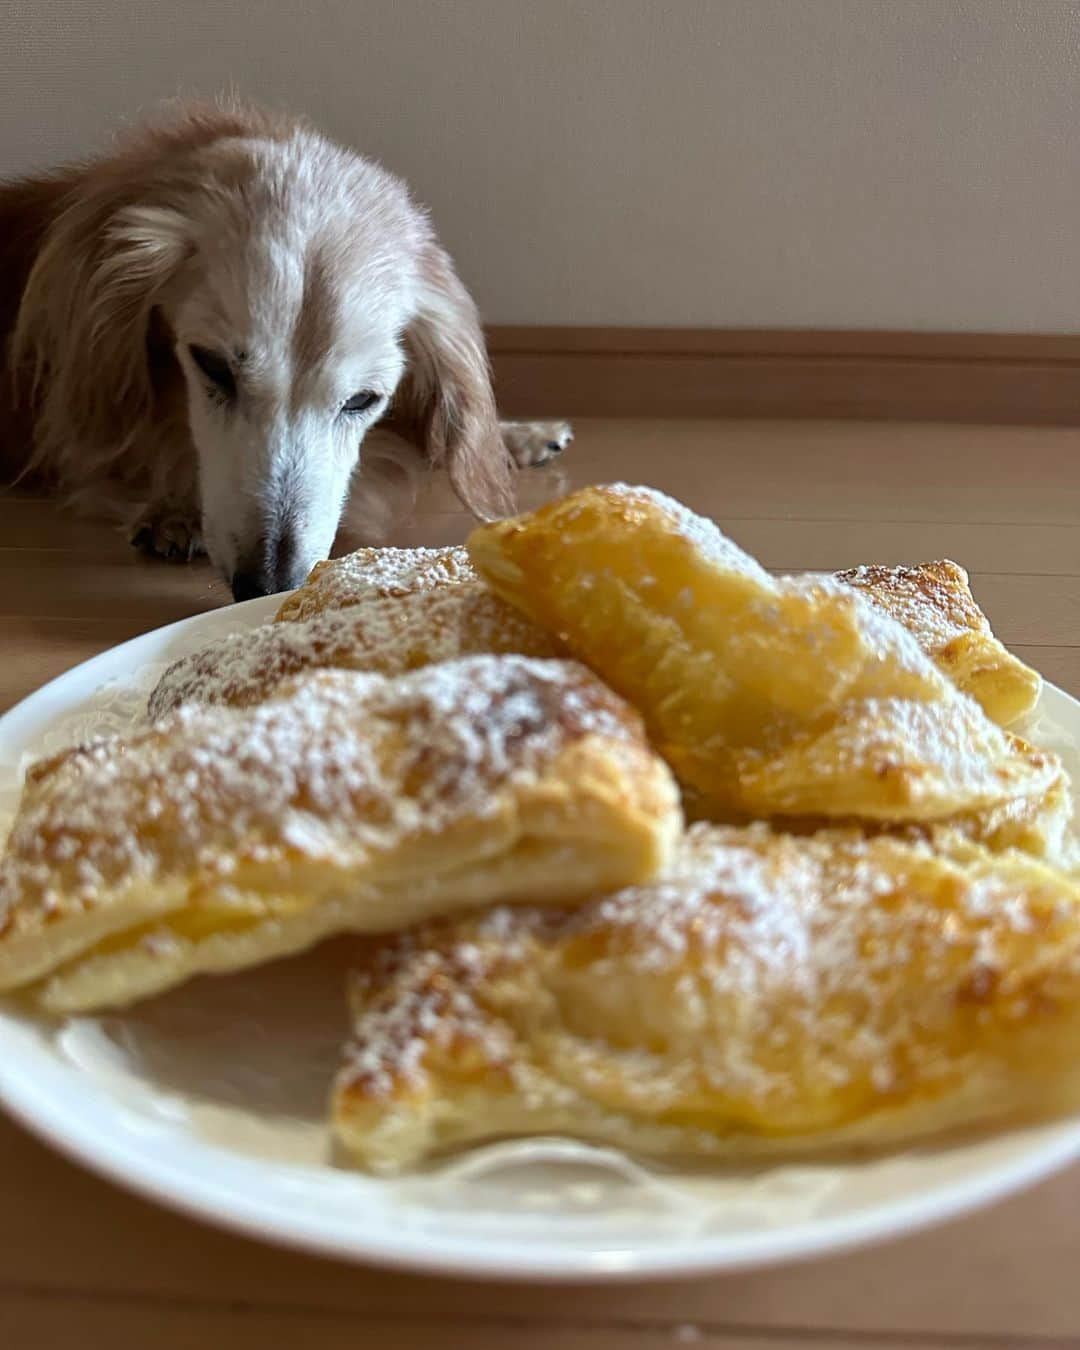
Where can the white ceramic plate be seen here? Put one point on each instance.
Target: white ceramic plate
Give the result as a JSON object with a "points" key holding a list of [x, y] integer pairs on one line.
{"points": [[211, 1100]]}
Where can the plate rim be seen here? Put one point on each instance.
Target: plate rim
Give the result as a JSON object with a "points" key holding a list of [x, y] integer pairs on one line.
{"points": [[201, 1196]]}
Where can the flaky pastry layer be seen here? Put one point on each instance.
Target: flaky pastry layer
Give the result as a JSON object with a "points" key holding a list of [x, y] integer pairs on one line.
{"points": [[768, 696], [338, 583], [389, 635], [220, 837], [933, 601], [767, 995]]}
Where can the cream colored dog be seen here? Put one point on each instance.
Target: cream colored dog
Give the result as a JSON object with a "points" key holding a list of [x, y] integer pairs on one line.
{"points": [[203, 327]]}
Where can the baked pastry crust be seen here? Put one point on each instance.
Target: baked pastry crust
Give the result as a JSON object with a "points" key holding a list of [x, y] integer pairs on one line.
{"points": [[338, 583], [1039, 825], [769, 995], [389, 635], [768, 696], [933, 601], [219, 838]]}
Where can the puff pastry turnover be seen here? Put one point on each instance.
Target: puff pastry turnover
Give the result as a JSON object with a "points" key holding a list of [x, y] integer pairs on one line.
{"points": [[934, 603], [769, 995], [219, 838], [386, 634], [769, 697], [340, 582]]}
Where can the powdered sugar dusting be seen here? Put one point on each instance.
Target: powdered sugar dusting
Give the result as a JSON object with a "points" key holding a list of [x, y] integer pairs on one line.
{"points": [[340, 582], [934, 603], [849, 950], [386, 634], [339, 764], [887, 644], [770, 969], [932, 600], [947, 752], [402, 1025]]}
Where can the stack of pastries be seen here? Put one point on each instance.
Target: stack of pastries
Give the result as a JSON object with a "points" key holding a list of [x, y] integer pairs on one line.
{"points": [[480, 761]]}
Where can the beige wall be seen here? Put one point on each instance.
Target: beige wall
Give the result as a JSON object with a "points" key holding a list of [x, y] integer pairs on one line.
{"points": [[863, 163]]}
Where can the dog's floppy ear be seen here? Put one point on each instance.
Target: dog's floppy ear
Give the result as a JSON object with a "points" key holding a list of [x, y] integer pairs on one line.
{"points": [[81, 334], [446, 398]]}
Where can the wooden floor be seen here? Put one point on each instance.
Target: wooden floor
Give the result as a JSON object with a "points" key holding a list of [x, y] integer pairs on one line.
{"points": [[85, 1264]]}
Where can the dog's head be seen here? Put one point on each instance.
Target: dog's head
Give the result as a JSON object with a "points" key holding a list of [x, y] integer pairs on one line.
{"points": [[299, 291]]}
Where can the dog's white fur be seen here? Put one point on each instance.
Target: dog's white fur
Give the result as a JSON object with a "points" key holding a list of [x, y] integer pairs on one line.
{"points": [[313, 274]]}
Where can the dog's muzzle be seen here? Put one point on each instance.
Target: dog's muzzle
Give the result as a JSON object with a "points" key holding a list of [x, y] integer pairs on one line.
{"points": [[267, 569]]}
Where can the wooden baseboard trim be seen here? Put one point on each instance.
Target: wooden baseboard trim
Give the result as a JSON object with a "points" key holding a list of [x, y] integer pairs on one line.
{"points": [[902, 376]]}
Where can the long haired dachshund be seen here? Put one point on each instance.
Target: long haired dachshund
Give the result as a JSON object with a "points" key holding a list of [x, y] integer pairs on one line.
{"points": [[201, 329]]}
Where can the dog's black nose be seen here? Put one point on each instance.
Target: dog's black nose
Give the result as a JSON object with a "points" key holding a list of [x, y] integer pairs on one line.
{"points": [[270, 565], [250, 585]]}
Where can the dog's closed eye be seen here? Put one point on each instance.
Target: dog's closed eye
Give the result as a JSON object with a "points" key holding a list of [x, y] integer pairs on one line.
{"points": [[362, 402], [216, 369]]}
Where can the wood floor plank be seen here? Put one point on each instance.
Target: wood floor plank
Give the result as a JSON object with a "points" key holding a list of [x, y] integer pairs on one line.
{"points": [[794, 545], [29, 1320], [790, 545], [1007, 1272], [1059, 665], [41, 583], [853, 471], [844, 470], [1030, 609], [37, 650], [28, 521]]}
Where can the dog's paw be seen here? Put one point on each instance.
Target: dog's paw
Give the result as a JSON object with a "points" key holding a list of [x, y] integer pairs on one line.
{"points": [[534, 443], [168, 532]]}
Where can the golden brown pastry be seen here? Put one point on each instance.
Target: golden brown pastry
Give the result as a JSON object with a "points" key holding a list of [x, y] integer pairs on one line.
{"points": [[934, 603], [340, 582], [218, 838], [789, 696], [1039, 825], [769, 995], [386, 634]]}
